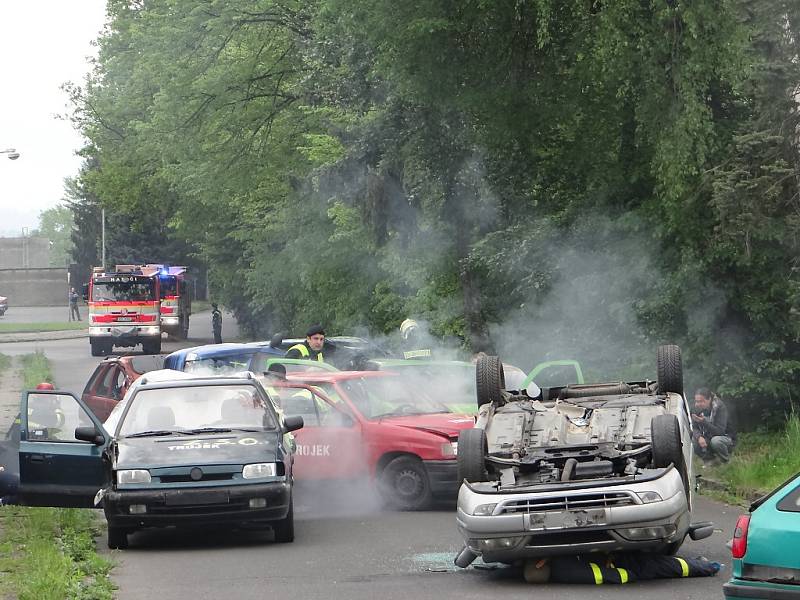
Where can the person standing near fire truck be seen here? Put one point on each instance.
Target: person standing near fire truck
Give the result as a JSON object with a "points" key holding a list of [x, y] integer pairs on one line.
{"points": [[216, 323]]}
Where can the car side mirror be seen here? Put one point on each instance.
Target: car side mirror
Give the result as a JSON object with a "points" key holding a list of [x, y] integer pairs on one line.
{"points": [[293, 423], [89, 434]]}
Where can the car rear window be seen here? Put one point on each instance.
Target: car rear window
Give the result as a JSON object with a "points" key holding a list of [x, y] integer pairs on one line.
{"points": [[791, 501]]}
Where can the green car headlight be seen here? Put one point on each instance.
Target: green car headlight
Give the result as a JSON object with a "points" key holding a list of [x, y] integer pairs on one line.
{"points": [[133, 476]]}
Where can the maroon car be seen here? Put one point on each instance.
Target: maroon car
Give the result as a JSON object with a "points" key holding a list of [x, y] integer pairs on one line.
{"points": [[112, 378]]}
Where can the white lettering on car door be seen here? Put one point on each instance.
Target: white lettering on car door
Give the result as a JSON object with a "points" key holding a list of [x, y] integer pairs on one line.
{"points": [[314, 449]]}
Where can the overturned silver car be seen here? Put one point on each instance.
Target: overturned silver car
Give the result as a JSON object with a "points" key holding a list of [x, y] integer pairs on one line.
{"points": [[578, 468]]}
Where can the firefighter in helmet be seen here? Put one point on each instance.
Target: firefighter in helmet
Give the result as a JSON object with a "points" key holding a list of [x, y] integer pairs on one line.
{"points": [[413, 346]]}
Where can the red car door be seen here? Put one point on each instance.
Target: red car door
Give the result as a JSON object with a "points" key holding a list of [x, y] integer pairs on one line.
{"points": [[101, 393], [329, 446]]}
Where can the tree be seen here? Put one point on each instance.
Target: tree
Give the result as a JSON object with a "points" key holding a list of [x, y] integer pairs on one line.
{"points": [[56, 225]]}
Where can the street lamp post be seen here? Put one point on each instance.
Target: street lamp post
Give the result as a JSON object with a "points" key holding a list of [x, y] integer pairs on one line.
{"points": [[11, 152]]}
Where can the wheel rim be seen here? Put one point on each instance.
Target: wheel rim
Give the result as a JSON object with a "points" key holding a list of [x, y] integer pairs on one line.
{"points": [[409, 484]]}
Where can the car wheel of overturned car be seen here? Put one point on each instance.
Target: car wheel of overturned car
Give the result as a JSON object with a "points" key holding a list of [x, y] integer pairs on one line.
{"points": [[667, 446], [117, 538], [489, 379], [669, 367], [472, 455], [284, 529], [404, 484]]}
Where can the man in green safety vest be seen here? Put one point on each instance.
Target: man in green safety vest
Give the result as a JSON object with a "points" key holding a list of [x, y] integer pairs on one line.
{"points": [[311, 348]]}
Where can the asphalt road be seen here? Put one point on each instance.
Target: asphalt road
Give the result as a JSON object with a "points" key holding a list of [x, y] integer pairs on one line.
{"points": [[346, 546]]}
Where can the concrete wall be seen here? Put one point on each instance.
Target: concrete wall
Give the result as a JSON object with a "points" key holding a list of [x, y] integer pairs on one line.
{"points": [[24, 253], [34, 287]]}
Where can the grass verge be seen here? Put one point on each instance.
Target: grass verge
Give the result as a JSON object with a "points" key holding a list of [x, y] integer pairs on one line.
{"points": [[760, 462], [5, 363], [49, 553], [35, 370], [42, 327]]}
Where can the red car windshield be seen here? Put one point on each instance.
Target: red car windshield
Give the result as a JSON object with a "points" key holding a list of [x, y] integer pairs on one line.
{"points": [[378, 397]]}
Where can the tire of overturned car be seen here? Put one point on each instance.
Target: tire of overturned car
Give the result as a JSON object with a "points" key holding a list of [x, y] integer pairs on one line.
{"points": [[669, 368], [667, 446], [472, 450], [404, 484], [489, 379]]}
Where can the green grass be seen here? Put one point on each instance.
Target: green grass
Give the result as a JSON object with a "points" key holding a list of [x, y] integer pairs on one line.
{"points": [[761, 461], [200, 305], [40, 327], [49, 553], [35, 370]]}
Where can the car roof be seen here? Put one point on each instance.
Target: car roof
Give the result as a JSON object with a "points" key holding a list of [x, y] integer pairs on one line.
{"points": [[211, 350]]}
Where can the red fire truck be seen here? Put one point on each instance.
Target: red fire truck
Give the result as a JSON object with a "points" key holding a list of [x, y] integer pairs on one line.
{"points": [[124, 309], [176, 300]]}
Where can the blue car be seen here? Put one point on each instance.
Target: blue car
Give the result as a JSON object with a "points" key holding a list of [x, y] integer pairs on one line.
{"points": [[177, 450], [766, 547], [223, 358]]}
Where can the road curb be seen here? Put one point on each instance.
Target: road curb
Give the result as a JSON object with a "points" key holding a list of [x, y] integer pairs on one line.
{"points": [[42, 336]]}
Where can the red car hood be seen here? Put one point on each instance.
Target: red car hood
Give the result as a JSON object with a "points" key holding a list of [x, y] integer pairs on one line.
{"points": [[446, 424]]}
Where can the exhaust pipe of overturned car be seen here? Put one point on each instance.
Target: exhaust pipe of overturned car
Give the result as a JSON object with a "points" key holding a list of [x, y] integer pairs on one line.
{"points": [[465, 558]]}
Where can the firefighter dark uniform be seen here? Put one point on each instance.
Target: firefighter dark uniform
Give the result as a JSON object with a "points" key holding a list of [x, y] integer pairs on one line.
{"points": [[304, 350], [627, 567]]}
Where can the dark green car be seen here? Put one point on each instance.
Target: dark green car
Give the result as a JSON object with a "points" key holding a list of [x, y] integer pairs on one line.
{"points": [[177, 450]]}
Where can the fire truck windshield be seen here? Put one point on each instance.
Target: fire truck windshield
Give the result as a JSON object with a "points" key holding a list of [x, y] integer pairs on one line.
{"points": [[169, 285], [129, 291]]}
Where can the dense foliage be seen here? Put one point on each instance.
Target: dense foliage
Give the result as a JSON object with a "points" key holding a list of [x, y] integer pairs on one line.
{"points": [[536, 177]]}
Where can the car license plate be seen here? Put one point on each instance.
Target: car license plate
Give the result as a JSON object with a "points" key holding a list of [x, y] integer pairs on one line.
{"points": [[568, 519], [181, 498], [124, 319]]}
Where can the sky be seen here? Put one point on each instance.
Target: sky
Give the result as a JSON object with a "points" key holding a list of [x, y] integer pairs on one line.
{"points": [[45, 43]]}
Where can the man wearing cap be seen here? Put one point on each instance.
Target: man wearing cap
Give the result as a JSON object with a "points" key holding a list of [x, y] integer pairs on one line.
{"points": [[311, 348]]}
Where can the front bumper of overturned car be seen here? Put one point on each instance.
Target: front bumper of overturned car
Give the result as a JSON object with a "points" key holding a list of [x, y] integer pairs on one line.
{"points": [[195, 506], [573, 520]]}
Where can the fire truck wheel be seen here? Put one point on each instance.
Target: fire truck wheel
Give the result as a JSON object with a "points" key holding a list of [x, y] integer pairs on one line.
{"points": [[151, 347], [97, 348]]}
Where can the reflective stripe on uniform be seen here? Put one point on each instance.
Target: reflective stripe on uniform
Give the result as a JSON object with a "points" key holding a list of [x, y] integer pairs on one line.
{"points": [[301, 348], [417, 354], [623, 575], [598, 574], [304, 353], [684, 567]]}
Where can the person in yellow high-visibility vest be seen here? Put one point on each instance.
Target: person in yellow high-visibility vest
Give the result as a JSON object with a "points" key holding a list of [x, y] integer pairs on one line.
{"points": [[311, 348]]}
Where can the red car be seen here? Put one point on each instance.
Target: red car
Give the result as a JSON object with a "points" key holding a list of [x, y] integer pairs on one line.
{"points": [[112, 378], [373, 424]]}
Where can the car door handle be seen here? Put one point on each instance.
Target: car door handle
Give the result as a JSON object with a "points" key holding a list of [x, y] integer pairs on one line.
{"points": [[37, 458]]}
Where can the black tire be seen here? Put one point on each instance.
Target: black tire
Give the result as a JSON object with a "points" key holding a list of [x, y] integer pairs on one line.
{"points": [[490, 379], [108, 348], [151, 347], [404, 484], [667, 446], [97, 348], [117, 538], [284, 529], [669, 367], [472, 455]]}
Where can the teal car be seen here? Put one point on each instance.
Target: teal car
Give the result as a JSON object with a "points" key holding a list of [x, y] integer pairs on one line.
{"points": [[766, 547]]}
